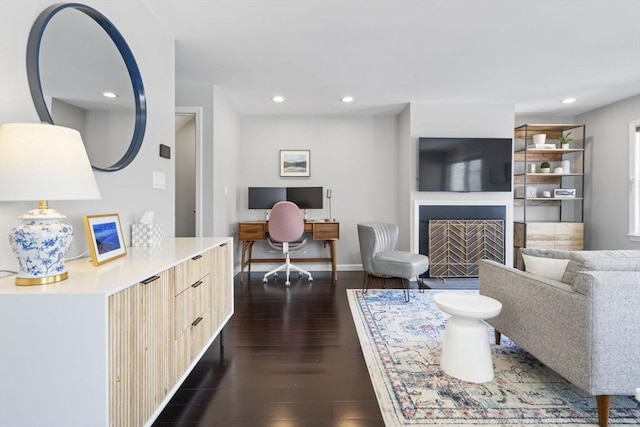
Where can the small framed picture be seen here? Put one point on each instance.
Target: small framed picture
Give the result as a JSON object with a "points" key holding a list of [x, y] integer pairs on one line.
{"points": [[295, 163], [104, 236]]}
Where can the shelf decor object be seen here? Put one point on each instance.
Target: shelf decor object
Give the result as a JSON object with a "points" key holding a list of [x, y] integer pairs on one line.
{"points": [[43, 162], [539, 139]]}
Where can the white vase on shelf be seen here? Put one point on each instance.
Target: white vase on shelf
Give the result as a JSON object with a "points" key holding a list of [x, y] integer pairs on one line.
{"points": [[566, 166], [539, 138]]}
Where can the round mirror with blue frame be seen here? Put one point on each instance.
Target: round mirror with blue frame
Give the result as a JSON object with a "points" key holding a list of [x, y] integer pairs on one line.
{"points": [[83, 75]]}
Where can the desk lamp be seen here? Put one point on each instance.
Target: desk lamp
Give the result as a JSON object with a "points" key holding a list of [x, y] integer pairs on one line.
{"points": [[329, 194], [43, 162]]}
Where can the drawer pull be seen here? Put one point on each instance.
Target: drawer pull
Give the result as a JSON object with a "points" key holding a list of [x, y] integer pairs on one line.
{"points": [[149, 280], [198, 283], [197, 257], [195, 322]]}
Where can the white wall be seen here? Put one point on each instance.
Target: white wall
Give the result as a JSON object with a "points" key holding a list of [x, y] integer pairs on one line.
{"points": [[405, 178], [127, 192], [226, 166], [355, 156], [607, 171], [456, 120]]}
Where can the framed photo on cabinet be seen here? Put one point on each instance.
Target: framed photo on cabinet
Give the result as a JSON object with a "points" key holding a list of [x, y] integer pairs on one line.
{"points": [[104, 236]]}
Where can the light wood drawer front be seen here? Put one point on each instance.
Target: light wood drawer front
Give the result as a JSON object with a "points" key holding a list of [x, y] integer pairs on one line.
{"points": [[192, 340], [141, 364], [192, 302], [200, 331], [192, 270], [255, 231], [326, 231]]}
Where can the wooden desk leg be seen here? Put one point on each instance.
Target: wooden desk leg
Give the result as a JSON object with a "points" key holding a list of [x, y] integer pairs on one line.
{"points": [[250, 254], [244, 248], [246, 245], [332, 247]]}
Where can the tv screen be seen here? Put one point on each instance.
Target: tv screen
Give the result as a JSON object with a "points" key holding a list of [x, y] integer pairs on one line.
{"points": [[464, 164], [306, 197], [266, 197]]}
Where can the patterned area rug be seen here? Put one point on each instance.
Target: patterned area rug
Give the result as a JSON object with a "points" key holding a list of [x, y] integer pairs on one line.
{"points": [[401, 343]]}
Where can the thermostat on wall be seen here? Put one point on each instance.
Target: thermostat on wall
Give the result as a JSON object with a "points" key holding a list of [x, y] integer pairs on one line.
{"points": [[165, 151]]}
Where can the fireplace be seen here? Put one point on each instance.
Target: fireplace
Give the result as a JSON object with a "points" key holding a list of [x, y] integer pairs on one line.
{"points": [[456, 237]]}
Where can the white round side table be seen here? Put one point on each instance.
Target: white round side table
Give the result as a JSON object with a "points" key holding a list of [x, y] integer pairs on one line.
{"points": [[466, 353]]}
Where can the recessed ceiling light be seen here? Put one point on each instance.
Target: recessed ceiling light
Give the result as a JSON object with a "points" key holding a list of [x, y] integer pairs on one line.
{"points": [[277, 98], [109, 94], [568, 101], [347, 99]]}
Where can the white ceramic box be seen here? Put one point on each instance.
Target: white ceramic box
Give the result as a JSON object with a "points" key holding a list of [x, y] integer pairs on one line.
{"points": [[146, 234]]}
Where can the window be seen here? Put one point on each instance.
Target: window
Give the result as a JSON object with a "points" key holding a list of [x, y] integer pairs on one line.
{"points": [[634, 180]]}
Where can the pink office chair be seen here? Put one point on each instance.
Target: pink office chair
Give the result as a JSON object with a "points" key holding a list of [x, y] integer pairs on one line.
{"points": [[286, 227]]}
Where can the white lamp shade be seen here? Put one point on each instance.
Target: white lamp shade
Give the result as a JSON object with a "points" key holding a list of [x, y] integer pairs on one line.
{"points": [[44, 162]]}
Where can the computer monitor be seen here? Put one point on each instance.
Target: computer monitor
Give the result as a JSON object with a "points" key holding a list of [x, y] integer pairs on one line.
{"points": [[266, 197], [306, 197]]}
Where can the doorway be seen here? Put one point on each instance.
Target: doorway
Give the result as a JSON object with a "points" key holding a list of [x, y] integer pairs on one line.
{"points": [[188, 218]]}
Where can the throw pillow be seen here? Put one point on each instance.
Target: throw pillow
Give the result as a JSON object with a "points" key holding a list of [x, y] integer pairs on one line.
{"points": [[548, 263], [605, 260]]}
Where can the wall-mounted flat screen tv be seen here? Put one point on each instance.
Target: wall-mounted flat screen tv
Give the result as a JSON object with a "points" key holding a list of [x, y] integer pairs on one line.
{"points": [[464, 164]]}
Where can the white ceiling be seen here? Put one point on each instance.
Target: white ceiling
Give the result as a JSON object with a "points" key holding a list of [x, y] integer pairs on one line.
{"points": [[386, 53]]}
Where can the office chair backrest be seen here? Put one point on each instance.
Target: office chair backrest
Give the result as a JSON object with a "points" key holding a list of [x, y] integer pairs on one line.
{"points": [[286, 223], [375, 237]]}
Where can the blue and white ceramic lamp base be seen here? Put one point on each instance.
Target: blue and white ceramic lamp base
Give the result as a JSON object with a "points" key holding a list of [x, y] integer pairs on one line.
{"points": [[40, 243]]}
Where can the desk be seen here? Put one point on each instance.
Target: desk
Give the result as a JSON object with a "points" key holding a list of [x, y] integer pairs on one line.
{"points": [[250, 232]]}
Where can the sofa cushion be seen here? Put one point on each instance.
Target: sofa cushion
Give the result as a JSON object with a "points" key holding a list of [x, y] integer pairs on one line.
{"points": [[549, 263], [605, 260]]}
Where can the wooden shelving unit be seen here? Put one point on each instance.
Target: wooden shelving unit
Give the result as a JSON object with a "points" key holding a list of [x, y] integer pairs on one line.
{"points": [[548, 222]]}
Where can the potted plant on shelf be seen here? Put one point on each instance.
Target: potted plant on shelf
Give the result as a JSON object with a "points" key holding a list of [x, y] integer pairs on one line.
{"points": [[545, 167], [565, 140]]}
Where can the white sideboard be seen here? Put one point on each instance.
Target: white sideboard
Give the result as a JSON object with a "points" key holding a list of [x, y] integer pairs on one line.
{"points": [[111, 345]]}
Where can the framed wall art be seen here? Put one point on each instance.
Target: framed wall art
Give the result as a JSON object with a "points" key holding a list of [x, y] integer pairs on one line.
{"points": [[295, 163], [104, 236]]}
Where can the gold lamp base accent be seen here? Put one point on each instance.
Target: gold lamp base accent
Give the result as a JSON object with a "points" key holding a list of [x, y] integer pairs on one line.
{"points": [[30, 281]]}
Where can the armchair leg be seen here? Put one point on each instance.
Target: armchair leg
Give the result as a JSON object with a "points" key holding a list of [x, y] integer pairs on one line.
{"points": [[365, 282], [603, 401], [405, 289], [498, 336]]}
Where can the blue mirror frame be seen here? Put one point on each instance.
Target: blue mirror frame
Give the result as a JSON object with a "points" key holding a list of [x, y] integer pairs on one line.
{"points": [[35, 83]]}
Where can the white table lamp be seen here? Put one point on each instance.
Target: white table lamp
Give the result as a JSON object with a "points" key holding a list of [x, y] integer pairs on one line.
{"points": [[43, 162]]}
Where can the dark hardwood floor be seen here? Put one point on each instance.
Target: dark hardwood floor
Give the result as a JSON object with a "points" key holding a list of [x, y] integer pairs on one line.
{"points": [[291, 358]]}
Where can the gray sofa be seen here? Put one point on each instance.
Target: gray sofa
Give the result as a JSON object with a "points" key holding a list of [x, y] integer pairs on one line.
{"points": [[584, 325]]}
